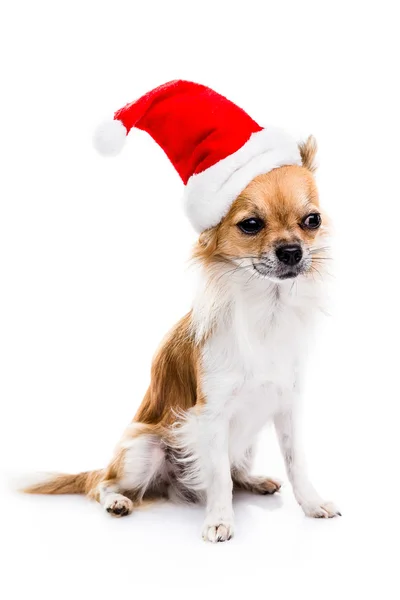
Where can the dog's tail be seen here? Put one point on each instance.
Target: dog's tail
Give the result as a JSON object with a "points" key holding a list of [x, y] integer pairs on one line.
{"points": [[50, 483]]}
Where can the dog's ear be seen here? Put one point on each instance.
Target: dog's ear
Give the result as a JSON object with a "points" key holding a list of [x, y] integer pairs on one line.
{"points": [[207, 244], [308, 152], [208, 239]]}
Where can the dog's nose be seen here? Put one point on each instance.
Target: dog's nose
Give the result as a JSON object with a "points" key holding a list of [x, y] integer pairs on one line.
{"points": [[289, 254]]}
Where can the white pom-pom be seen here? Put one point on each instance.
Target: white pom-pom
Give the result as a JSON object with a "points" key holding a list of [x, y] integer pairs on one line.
{"points": [[109, 138]]}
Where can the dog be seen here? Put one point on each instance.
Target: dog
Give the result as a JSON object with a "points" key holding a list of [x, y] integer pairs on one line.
{"points": [[233, 364]]}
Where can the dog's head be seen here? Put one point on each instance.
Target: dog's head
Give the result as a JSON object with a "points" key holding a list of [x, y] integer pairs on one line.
{"points": [[275, 228]]}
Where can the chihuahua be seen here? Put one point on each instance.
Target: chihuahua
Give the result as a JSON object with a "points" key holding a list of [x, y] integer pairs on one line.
{"points": [[235, 362], [231, 365]]}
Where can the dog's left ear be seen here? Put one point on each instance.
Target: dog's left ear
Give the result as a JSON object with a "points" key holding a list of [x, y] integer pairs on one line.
{"points": [[308, 152]]}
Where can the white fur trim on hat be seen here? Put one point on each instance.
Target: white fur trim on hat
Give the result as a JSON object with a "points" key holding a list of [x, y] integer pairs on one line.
{"points": [[209, 195]]}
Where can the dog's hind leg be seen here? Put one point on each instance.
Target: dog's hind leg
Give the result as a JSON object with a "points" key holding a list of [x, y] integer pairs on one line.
{"points": [[244, 480], [137, 466]]}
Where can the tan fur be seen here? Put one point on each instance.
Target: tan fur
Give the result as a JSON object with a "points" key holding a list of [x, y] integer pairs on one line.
{"points": [[282, 198], [81, 483], [308, 152], [174, 377], [257, 485]]}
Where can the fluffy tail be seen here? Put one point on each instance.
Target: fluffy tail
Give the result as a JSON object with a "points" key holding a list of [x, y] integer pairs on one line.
{"points": [[81, 483]]}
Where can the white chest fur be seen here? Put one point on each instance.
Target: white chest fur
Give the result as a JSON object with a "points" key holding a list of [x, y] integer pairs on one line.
{"points": [[252, 357]]}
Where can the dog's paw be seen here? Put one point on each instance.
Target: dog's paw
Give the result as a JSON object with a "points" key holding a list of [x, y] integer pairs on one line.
{"points": [[265, 486], [321, 510], [118, 505], [221, 530], [258, 485]]}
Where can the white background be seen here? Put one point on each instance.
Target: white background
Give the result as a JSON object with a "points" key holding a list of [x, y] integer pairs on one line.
{"points": [[93, 271]]}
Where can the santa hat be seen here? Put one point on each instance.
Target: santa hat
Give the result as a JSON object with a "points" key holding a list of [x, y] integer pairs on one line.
{"points": [[214, 145]]}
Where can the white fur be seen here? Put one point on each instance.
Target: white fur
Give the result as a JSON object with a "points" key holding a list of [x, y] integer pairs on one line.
{"points": [[110, 137], [209, 195], [112, 501], [144, 460], [259, 332]]}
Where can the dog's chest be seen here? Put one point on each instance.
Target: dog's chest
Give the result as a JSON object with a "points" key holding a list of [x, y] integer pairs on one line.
{"points": [[250, 367], [255, 354]]}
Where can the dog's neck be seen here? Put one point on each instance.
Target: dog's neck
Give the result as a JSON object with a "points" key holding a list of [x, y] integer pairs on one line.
{"points": [[227, 297]]}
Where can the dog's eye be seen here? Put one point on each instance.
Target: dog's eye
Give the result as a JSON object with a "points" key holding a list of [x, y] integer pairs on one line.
{"points": [[251, 226], [312, 221]]}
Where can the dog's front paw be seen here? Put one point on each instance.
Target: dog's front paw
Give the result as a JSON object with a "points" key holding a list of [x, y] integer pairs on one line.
{"points": [[320, 510], [217, 530]]}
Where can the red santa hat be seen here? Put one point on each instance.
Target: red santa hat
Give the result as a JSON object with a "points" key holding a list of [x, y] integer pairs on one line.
{"points": [[214, 145]]}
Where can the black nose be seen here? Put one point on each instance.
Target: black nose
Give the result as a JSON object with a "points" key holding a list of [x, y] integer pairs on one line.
{"points": [[289, 254]]}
